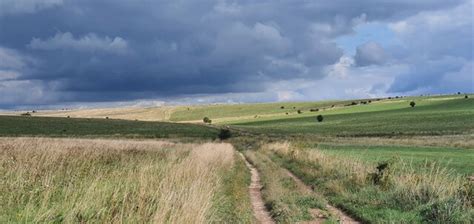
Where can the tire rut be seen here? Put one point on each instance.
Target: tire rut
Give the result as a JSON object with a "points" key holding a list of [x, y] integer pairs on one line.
{"points": [[260, 211], [341, 215]]}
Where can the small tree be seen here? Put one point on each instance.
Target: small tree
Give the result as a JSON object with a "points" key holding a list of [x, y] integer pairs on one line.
{"points": [[412, 103], [465, 97], [320, 118], [207, 120], [282, 107], [224, 134], [300, 112]]}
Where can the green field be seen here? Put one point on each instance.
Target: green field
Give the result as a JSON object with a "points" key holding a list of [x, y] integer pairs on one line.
{"points": [[78, 127], [428, 117], [458, 159]]}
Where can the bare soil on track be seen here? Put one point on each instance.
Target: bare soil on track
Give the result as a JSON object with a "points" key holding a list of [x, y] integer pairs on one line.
{"points": [[260, 211]]}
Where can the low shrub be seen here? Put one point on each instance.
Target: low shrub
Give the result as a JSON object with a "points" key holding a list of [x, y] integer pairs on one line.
{"points": [[207, 120], [224, 134], [319, 118]]}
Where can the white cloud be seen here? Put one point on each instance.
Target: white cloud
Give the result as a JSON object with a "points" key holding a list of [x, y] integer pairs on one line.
{"points": [[26, 6], [342, 68], [88, 43]]}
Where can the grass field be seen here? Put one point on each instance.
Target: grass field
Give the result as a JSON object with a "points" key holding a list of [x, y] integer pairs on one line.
{"points": [[428, 150], [429, 117], [81, 127], [73, 180], [458, 159]]}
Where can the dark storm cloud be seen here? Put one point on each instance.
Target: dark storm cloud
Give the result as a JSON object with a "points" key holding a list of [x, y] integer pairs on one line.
{"points": [[370, 54], [122, 50]]}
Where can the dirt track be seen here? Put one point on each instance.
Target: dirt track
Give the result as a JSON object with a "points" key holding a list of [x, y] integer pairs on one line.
{"points": [[341, 216], [260, 211]]}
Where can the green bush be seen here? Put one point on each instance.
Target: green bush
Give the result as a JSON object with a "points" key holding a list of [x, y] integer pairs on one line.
{"points": [[207, 120], [224, 134], [319, 118]]}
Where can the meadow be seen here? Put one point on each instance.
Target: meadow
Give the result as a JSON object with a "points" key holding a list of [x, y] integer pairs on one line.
{"points": [[378, 160], [81, 181]]}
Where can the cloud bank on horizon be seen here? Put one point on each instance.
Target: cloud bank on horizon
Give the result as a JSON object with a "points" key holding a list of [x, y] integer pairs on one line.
{"points": [[59, 52]]}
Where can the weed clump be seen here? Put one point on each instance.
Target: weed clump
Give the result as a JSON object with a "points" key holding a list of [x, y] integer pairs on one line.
{"points": [[447, 211], [382, 176]]}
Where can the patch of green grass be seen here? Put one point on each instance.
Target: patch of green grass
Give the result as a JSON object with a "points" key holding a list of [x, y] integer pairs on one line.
{"points": [[429, 117], [454, 158], [232, 203], [77, 127]]}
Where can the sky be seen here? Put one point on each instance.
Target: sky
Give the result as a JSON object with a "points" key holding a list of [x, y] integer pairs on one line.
{"points": [[88, 53]]}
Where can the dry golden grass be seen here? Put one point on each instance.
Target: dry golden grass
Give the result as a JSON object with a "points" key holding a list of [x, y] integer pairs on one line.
{"points": [[79, 180], [127, 113]]}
